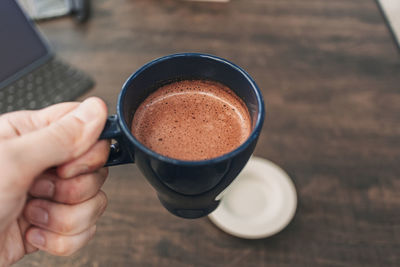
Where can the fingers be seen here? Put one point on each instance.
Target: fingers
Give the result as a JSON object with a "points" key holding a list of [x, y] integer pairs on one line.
{"points": [[92, 160], [65, 219], [61, 141], [69, 191], [62, 229], [58, 244], [23, 225], [25, 121], [79, 188]]}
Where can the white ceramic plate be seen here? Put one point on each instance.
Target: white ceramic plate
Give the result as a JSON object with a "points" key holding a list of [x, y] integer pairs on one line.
{"points": [[259, 203]]}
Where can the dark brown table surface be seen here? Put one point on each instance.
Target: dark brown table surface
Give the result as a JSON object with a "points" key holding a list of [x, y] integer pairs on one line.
{"points": [[330, 75]]}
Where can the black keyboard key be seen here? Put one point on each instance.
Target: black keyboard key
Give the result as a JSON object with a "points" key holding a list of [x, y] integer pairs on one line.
{"points": [[51, 83]]}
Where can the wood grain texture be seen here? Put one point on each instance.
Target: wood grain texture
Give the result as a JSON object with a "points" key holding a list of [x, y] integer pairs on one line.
{"points": [[330, 75]]}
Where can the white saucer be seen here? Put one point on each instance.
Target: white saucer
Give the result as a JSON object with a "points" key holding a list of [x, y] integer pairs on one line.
{"points": [[259, 203]]}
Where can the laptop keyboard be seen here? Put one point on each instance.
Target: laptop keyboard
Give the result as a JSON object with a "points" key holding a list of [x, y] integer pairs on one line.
{"points": [[51, 83]]}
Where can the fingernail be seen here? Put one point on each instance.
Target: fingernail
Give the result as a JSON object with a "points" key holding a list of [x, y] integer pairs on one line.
{"points": [[88, 110], [35, 237], [38, 215], [43, 188]]}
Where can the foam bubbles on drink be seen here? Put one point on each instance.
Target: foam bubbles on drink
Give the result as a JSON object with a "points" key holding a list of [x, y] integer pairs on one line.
{"points": [[192, 120]]}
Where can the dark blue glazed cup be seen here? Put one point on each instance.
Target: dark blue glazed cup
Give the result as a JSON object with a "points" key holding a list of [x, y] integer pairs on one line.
{"points": [[188, 189]]}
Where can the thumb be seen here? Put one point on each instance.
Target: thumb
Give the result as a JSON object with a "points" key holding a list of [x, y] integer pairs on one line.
{"points": [[61, 141]]}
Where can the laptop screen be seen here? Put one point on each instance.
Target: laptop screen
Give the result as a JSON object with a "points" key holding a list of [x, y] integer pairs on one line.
{"points": [[20, 44]]}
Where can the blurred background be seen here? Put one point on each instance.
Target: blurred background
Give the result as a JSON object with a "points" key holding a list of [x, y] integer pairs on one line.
{"points": [[330, 74]]}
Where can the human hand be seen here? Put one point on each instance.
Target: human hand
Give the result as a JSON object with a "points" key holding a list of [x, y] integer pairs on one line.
{"points": [[51, 173]]}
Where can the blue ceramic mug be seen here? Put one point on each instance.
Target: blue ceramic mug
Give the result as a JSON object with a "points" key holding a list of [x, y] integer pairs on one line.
{"points": [[188, 189]]}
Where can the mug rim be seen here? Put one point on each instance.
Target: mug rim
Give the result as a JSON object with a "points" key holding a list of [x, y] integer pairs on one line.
{"points": [[253, 135]]}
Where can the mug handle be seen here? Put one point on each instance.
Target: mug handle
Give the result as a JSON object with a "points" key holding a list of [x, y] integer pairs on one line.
{"points": [[118, 151]]}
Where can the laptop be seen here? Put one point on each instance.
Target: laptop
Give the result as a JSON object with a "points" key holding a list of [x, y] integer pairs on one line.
{"points": [[31, 75]]}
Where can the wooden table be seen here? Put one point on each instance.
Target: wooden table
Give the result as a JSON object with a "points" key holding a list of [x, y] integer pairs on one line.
{"points": [[330, 75]]}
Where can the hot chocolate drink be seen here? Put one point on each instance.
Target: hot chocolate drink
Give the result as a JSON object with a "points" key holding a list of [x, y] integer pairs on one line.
{"points": [[192, 120]]}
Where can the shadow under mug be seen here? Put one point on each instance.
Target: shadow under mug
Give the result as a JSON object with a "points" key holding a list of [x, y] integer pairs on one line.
{"points": [[188, 189]]}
